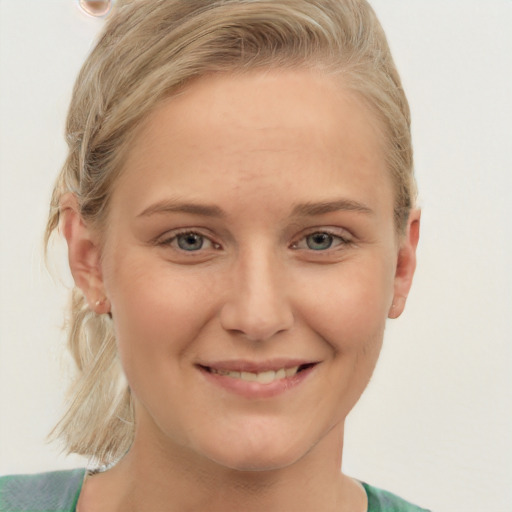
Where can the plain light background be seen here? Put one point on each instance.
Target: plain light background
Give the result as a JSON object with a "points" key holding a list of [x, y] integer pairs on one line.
{"points": [[435, 423]]}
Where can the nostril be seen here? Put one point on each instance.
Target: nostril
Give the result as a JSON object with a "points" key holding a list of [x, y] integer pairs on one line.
{"points": [[256, 308]]}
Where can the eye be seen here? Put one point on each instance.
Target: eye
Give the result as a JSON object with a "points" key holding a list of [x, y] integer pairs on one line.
{"points": [[321, 241], [189, 241]]}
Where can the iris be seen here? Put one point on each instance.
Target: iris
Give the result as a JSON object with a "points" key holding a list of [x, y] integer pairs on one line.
{"points": [[190, 241], [319, 241]]}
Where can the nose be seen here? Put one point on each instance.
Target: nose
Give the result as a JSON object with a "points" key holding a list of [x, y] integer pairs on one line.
{"points": [[257, 305]]}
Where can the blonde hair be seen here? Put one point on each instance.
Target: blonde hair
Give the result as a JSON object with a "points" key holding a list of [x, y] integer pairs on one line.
{"points": [[149, 50]]}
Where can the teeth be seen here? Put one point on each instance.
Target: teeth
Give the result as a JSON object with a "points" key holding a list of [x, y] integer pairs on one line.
{"points": [[261, 377], [290, 372], [265, 377], [251, 377]]}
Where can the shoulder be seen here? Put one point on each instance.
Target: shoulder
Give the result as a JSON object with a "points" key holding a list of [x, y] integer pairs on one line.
{"points": [[384, 501], [57, 491]]}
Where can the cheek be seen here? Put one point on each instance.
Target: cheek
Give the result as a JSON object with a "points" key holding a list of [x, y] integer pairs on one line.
{"points": [[156, 310], [348, 304]]}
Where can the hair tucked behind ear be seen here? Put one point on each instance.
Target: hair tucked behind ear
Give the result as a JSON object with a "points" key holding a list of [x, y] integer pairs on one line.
{"points": [[149, 50]]}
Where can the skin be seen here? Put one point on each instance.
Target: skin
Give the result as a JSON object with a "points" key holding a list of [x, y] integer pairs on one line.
{"points": [[255, 152]]}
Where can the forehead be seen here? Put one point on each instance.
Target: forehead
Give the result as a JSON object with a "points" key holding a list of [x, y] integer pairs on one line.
{"points": [[286, 100], [281, 128]]}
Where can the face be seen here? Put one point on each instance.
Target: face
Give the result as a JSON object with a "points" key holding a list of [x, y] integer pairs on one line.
{"points": [[250, 261]]}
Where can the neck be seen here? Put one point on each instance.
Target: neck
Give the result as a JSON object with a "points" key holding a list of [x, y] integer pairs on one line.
{"points": [[155, 480]]}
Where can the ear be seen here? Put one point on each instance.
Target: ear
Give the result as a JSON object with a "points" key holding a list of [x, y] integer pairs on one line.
{"points": [[84, 254], [406, 264]]}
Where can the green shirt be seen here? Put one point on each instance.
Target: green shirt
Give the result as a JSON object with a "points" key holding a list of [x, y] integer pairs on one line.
{"points": [[59, 491]]}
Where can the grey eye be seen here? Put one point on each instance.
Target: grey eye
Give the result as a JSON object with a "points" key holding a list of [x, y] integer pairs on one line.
{"points": [[319, 241], [190, 241]]}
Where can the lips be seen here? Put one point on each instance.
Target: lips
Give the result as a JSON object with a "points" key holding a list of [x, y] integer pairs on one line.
{"points": [[258, 381], [262, 374], [265, 377]]}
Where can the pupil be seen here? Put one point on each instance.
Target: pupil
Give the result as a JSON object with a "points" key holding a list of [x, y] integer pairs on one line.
{"points": [[319, 241], [190, 242]]}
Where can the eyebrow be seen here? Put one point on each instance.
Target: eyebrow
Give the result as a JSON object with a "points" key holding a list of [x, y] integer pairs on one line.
{"points": [[309, 209], [321, 208], [173, 206]]}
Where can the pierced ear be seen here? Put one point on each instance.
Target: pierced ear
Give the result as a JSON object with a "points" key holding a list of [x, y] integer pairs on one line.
{"points": [[406, 264], [83, 254]]}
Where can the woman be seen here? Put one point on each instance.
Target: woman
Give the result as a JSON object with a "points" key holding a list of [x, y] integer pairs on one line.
{"points": [[238, 203]]}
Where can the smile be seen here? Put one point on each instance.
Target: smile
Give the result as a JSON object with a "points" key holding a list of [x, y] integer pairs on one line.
{"points": [[258, 381], [265, 377]]}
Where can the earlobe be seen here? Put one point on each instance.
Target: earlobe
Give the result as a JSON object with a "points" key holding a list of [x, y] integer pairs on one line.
{"points": [[406, 264], [84, 254]]}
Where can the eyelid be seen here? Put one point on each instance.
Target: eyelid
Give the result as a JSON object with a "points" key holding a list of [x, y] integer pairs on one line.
{"points": [[340, 233], [170, 236]]}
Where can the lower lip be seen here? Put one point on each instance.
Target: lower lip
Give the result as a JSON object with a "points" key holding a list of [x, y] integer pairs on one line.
{"points": [[255, 390]]}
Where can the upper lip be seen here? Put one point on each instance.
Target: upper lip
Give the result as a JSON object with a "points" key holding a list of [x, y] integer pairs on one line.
{"points": [[241, 365]]}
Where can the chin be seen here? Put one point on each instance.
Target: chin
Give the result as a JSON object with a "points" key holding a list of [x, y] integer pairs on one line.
{"points": [[256, 463], [251, 455]]}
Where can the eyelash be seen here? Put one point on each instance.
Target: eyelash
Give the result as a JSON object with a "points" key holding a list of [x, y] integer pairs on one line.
{"points": [[174, 238], [336, 241], [343, 241]]}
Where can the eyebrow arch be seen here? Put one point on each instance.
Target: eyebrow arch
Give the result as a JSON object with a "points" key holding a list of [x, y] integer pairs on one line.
{"points": [[303, 209], [173, 206], [321, 208]]}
